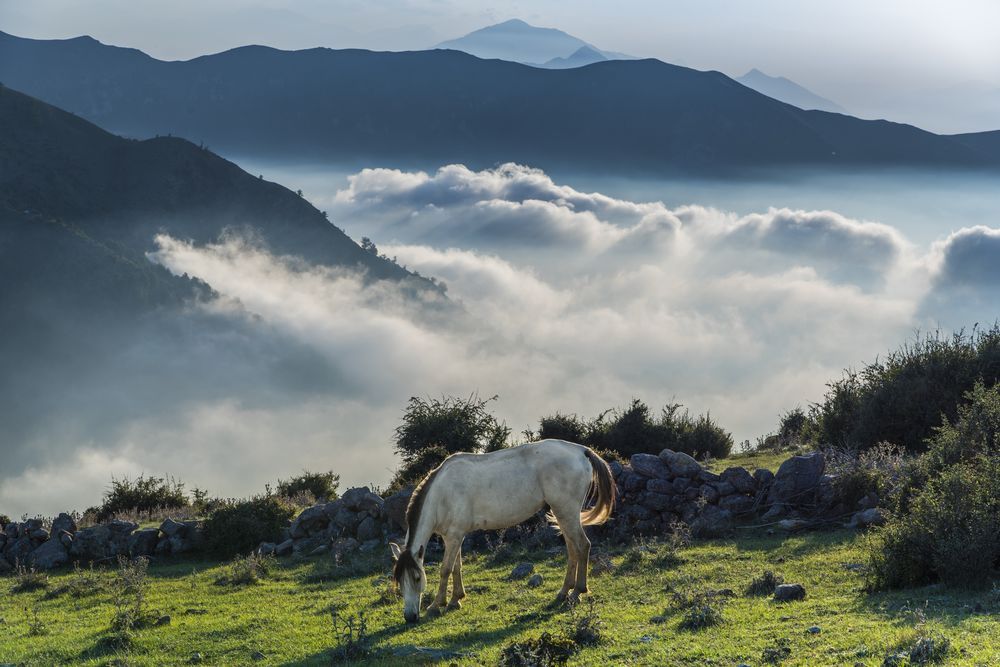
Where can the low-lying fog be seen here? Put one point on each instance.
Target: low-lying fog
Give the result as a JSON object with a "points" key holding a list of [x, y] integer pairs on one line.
{"points": [[577, 294]]}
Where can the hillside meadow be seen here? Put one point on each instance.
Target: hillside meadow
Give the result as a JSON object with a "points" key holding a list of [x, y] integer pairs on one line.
{"points": [[287, 616]]}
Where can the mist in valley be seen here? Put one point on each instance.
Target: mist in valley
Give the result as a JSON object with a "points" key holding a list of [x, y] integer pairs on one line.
{"points": [[564, 293]]}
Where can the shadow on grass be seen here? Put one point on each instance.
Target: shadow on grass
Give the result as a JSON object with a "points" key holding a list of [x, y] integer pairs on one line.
{"points": [[791, 545]]}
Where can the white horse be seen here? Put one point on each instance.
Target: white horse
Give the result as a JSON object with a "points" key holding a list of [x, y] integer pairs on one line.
{"points": [[491, 491]]}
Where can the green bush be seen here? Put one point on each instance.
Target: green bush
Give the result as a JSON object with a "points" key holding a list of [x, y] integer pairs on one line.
{"points": [[320, 485], [239, 526], [950, 533], [448, 424], [634, 430], [141, 495], [901, 398]]}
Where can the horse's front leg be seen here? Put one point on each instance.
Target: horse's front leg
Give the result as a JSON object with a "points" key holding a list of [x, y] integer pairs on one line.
{"points": [[457, 589], [447, 564]]}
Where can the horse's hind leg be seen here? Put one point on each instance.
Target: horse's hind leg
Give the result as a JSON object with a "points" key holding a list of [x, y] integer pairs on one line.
{"points": [[576, 538], [457, 589]]}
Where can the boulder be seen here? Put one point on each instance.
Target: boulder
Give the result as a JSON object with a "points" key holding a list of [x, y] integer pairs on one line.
{"points": [[736, 504], [763, 477], [142, 543], [5, 567], [361, 499], [312, 521], [709, 493], [797, 480], [649, 465], [348, 520], [707, 476], [657, 485], [535, 581], [308, 545], [522, 571], [65, 538], [632, 481], [680, 464], [3, 541], [713, 521], [17, 550], [724, 488], [395, 506], [656, 501], [740, 479], [616, 468], [63, 522], [680, 485], [284, 549], [789, 592], [266, 548], [169, 527], [368, 529], [343, 546], [691, 493], [188, 538], [50, 555], [874, 516]]}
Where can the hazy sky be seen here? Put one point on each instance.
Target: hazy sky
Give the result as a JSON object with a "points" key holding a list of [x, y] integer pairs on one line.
{"points": [[937, 63]]}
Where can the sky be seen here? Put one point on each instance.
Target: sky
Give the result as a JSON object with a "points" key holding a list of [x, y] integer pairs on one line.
{"points": [[930, 63]]}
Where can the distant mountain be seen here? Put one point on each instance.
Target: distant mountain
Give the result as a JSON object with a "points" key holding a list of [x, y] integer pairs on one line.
{"points": [[442, 106], [582, 56], [521, 42], [788, 91]]}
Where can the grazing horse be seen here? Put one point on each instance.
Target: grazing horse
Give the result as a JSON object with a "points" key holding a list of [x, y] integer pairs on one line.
{"points": [[491, 491]]}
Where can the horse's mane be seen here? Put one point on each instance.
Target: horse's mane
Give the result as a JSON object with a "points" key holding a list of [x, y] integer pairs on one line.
{"points": [[416, 504]]}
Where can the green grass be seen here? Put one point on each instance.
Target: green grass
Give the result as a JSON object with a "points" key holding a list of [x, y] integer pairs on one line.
{"points": [[286, 615], [751, 461]]}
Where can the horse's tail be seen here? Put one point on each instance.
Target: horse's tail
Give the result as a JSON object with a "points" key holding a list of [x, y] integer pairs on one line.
{"points": [[603, 491]]}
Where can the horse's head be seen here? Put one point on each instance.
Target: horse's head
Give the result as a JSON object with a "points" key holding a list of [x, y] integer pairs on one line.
{"points": [[409, 575]]}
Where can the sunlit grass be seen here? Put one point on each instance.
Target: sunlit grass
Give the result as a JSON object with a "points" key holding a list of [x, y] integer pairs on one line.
{"points": [[285, 616]]}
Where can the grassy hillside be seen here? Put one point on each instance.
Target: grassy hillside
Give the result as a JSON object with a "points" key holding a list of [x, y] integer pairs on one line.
{"points": [[286, 616]]}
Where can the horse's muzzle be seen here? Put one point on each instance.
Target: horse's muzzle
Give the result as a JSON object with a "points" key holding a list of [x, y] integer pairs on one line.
{"points": [[411, 618]]}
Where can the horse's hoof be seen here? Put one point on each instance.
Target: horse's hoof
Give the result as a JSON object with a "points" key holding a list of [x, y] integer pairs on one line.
{"points": [[455, 604], [434, 610]]}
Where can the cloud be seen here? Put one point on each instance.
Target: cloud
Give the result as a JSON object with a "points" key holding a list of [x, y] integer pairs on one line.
{"points": [[559, 300]]}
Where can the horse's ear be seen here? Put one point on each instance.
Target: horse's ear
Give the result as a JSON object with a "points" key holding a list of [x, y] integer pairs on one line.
{"points": [[420, 552], [394, 548]]}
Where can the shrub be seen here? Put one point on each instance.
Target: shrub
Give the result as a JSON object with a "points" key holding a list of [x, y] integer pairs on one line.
{"points": [[882, 469], [141, 495], [562, 427], [701, 608], [27, 579], [239, 526], [4, 520], [543, 651], [950, 533], [901, 398], [635, 429], [777, 652], [129, 601], [246, 570], [321, 485], [764, 584], [353, 641]]}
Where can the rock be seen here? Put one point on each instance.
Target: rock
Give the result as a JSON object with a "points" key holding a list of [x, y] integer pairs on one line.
{"points": [[869, 501], [649, 465], [65, 538], [307, 545], [814, 630], [657, 485], [655, 501], [17, 551], [257, 656], [195, 658], [163, 546], [394, 508], [680, 485], [38, 534], [266, 548], [763, 477], [797, 480], [707, 476], [789, 592], [632, 481], [712, 522], [143, 543], [345, 545], [368, 529], [870, 517], [347, 519], [284, 549], [774, 513], [312, 521], [680, 464], [370, 546], [102, 542], [535, 581], [5, 567], [738, 505], [709, 493], [188, 538], [361, 499], [724, 488], [169, 527], [50, 555], [63, 522], [792, 525], [741, 480], [616, 468], [521, 571], [691, 493], [162, 620]]}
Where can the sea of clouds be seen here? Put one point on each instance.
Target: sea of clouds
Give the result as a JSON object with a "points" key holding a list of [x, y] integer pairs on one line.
{"points": [[557, 300]]}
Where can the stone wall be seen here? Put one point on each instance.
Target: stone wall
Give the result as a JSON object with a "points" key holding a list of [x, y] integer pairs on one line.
{"points": [[654, 492]]}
